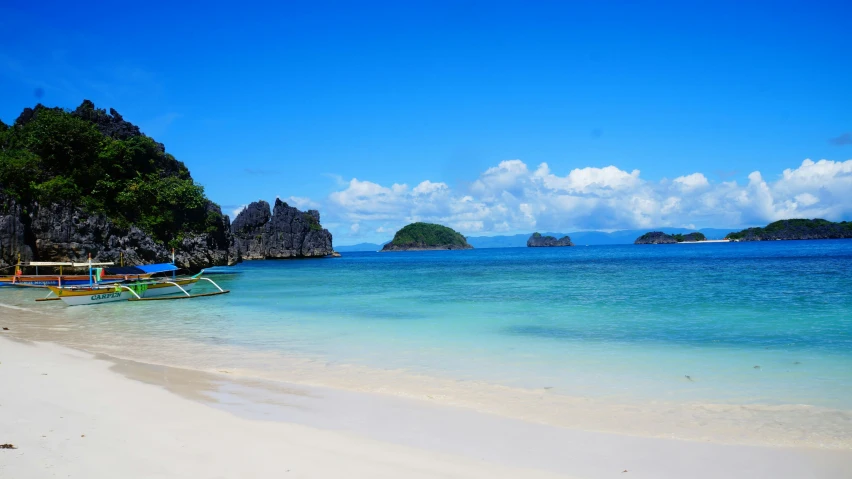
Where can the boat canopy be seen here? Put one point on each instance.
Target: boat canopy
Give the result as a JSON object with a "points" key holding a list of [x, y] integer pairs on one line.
{"points": [[143, 269]]}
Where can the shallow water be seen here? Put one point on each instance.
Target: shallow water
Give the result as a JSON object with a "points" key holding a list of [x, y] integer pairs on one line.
{"points": [[725, 323]]}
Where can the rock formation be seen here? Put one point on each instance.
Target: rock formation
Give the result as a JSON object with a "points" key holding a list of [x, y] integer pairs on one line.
{"points": [[286, 232], [67, 233], [537, 241], [81, 182]]}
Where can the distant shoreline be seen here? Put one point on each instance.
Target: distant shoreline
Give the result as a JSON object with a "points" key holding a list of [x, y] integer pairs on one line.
{"points": [[705, 241]]}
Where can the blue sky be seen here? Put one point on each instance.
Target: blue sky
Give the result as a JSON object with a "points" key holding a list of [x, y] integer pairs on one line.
{"points": [[332, 104]]}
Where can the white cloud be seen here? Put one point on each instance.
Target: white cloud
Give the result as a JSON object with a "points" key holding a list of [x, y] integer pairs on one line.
{"points": [[595, 181], [427, 188], [512, 197], [806, 199], [692, 182]]}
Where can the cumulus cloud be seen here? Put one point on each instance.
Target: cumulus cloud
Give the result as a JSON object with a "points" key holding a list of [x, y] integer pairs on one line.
{"points": [[692, 182], [512, 197]]}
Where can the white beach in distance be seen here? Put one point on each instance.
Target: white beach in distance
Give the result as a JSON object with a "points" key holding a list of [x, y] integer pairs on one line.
{"points": [[707, 241]]}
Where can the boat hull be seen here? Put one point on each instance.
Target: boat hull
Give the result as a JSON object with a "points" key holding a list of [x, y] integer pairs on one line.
{"points": [[109, 294]]}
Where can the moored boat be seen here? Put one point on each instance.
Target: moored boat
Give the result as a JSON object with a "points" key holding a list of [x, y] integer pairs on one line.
{"points": [[124, 291], [61, 279]]}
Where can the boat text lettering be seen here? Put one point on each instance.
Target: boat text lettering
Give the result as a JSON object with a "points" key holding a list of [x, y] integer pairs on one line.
{"points": [[105, 296]]}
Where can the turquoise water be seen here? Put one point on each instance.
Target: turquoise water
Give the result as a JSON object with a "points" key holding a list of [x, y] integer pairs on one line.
{"points": [[767, 323]]}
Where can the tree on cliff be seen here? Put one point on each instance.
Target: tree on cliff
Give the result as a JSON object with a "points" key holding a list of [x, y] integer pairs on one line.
{"points": [[100, 162]]}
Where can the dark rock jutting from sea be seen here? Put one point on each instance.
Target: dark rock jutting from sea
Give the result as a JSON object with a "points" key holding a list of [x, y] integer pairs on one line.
{"points": [[537, 241], [286, 232]]}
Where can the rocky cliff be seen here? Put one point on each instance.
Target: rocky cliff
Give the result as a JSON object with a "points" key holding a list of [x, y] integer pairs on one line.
{"points": [[538, 241], [86, 181], [61, 232], [81, 182], [286, 232], [796, 229]]}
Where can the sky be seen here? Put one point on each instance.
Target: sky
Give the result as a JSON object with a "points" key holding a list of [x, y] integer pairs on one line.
{"points": [[490, 117]]}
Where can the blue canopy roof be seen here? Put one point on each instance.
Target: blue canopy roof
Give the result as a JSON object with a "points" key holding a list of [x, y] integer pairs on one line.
{"points": [[157, 268]]}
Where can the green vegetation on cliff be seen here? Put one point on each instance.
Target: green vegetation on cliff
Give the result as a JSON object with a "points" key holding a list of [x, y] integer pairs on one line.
{"points": [[428, 235], [104, 164], [795, 229]]}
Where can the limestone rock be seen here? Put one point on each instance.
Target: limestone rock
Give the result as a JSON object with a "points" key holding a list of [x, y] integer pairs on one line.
{"points": [[537, 241], [60, 232], [286, 232]]}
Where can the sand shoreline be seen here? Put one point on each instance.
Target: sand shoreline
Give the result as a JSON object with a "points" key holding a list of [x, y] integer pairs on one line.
{"points": [[725, 424], [402, 436], [60, 395]]}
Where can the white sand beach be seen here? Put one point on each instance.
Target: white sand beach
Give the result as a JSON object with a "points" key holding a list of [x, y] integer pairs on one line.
{"points": [[70, 414]]}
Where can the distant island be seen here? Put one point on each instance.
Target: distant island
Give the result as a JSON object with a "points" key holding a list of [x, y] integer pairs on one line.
{"points": [[426, 236], [658, 237], [795, 229], [577, 237], [539, 241]]}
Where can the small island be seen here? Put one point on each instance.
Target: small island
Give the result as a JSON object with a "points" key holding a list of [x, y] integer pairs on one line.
{"points": [[795, 229], [426, 236], [658, 237], [539, 241]]}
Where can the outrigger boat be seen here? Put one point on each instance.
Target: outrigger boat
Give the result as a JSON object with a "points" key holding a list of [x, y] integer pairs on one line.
{"points": [[126, 291], [132, 290], [44, 280]]}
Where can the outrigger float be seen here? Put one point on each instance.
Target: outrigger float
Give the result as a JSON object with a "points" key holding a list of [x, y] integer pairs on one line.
{"points": [[148, 289]]}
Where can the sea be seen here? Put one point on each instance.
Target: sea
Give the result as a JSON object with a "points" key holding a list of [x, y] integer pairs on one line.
{"points": [[759, 330]]}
